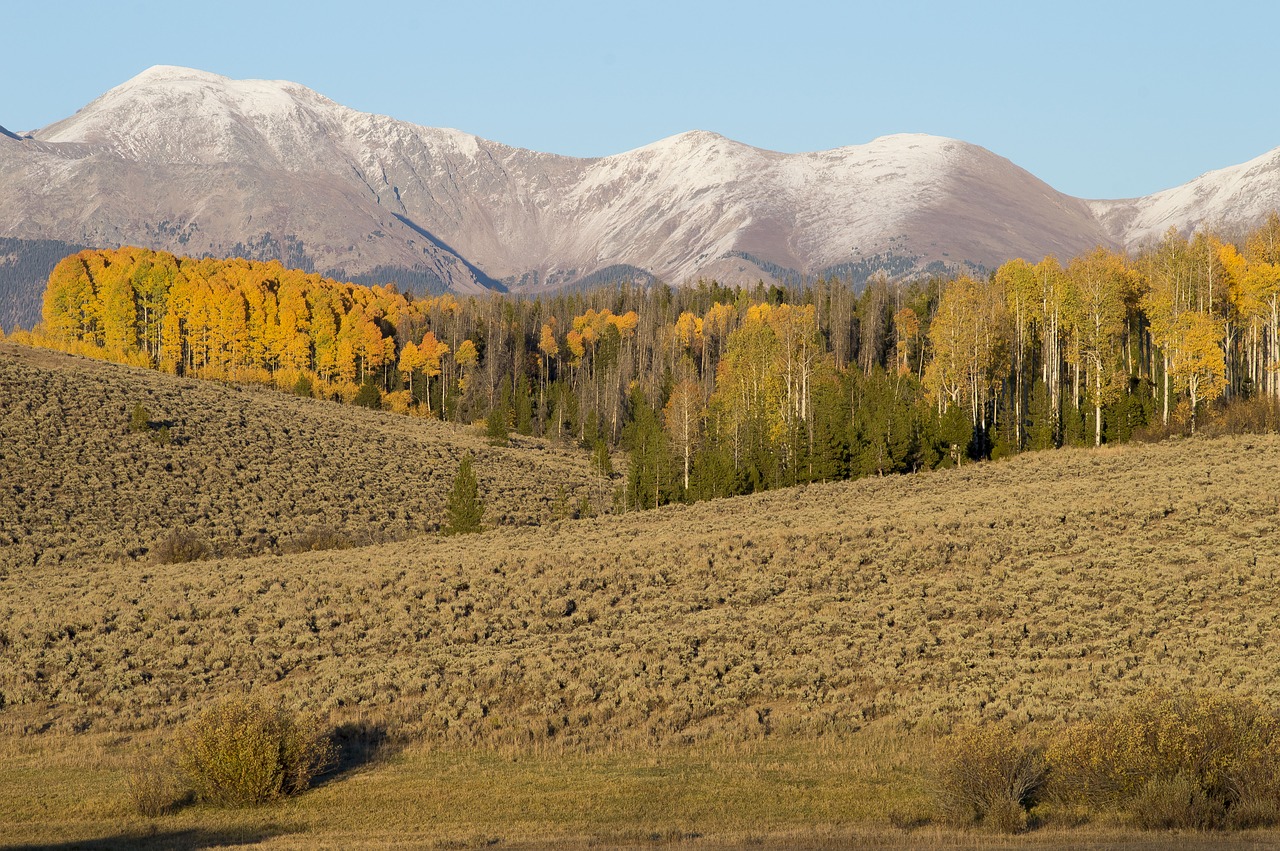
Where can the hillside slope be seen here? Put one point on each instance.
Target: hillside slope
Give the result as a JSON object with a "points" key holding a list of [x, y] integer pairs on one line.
{"points": [[1042, 587], [248, 470]]}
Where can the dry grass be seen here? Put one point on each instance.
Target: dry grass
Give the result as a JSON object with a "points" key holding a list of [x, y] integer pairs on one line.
{"points": [[246, 470], [779, 795], [542, 671], [1041, 588]]}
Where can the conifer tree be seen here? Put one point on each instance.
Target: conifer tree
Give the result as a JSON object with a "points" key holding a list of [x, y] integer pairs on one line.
{"points": [[465, 510]]}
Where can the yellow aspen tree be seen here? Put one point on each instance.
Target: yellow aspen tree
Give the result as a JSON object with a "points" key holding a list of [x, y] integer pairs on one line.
{"points": [[1169, 295], [1018, 280], [370, 348], [117, 309], [466, 358], [550, 349], [200, 324], [173, 327], [432, 351], [410, 361], [969, 342], [720, 319], [1262, 251], [951, 335], [294, 313], [1200, 367], [233, 330], [906, 327], [69, 309], [688, 333], [577, 348], [749, 389], [1054, 303]]}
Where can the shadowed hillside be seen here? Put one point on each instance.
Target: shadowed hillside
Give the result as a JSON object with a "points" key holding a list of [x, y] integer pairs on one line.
{"points": [[243, 470]]}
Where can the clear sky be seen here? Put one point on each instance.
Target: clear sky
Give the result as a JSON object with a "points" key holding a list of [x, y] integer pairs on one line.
{"points": [[1100, 99]]}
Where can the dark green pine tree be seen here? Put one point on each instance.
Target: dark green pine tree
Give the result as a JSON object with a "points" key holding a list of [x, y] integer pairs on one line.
{"points": [[646, 472], [464, 506], [495, 425], [523, 402], [829, 459], [368, 395], [139, 418], [955, 434]]}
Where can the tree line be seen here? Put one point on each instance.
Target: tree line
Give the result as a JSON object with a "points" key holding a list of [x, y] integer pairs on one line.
{"points": [[716, 391]]}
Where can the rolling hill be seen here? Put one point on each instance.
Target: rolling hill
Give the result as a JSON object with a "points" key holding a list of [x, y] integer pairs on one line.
{"points": [[246, 470], [542, 683], [1027, 589]]}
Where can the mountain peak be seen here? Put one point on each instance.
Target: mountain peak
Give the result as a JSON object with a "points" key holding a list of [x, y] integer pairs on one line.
{"points": [[169, 73], [171, 114], [188, 160]]}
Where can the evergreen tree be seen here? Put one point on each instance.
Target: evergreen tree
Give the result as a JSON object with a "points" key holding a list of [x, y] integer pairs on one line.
{"points": [[829, 459], [495, 426], [523, 400], [713, 474], [955, 431], [1072, 424], [1040, 419], [369, 396], [647, 475], [465, 510], [139, 418]]}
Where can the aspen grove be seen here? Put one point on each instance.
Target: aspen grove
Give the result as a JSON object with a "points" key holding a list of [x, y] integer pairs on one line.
{"points": [[716, 391]]}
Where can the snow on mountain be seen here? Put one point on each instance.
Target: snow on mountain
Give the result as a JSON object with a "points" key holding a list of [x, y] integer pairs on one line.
{"points": [[1230, 199], [194, 162]]}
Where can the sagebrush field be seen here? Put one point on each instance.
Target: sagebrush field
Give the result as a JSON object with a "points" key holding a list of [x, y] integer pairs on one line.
{"points": [[770, 669], [241, 468]]}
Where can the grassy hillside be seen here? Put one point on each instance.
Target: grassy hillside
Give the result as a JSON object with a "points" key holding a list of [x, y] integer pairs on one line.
{"points": [[548, 682], [1037, 588], [246, 471]]}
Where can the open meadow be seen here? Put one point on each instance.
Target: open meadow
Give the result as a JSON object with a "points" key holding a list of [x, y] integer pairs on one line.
{"points": [[774, 670]]}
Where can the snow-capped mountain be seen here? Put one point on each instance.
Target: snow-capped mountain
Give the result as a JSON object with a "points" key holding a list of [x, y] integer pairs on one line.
{"points": [[1231, 200], [197, 163]]}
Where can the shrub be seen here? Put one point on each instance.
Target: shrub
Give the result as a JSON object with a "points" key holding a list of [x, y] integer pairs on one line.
{"points": [[317, 538], [303, 386], [987, 776], [1197, 760], [180, 546], [1175, 803], [153, 787], [247, 752]]}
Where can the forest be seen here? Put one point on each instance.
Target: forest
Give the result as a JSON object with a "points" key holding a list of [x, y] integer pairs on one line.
{"points": [[715, 391]]}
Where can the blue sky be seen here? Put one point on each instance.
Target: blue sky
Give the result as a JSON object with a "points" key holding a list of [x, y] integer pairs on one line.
{"points": [[1099, 99]]}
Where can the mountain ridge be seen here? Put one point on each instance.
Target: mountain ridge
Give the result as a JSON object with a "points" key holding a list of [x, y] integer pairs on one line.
{"points": [[193, 162]]}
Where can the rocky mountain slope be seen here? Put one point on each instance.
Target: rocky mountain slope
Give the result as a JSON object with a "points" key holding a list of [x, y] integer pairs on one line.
{"points": [[197, 163]]}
